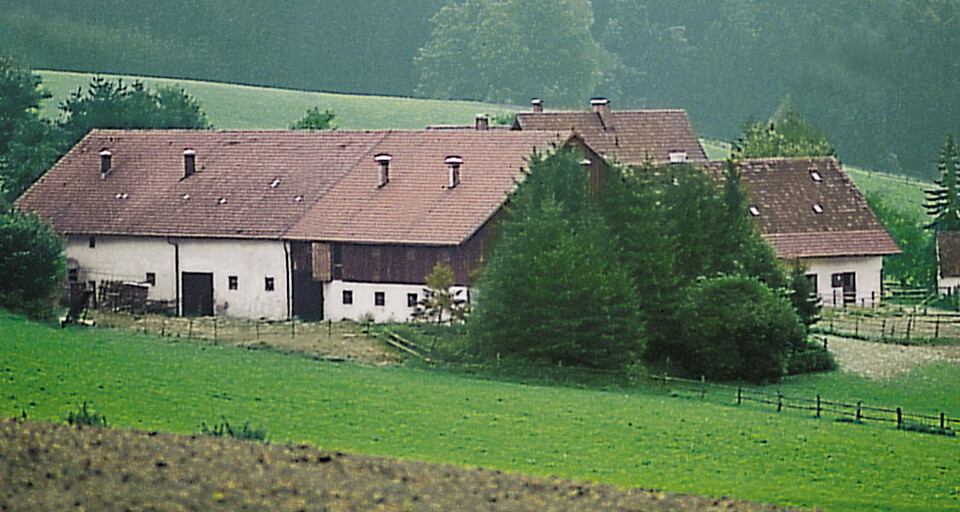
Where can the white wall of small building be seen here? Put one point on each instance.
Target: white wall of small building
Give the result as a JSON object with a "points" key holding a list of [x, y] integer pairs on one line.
{"points": [[124, 258], [868, 271], [948, 285], [394, 309]]}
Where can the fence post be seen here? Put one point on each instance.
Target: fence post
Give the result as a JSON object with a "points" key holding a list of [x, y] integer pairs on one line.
{"points": [[943, 425], [899, 419], [258, 330], [293, 327], [740, 398], [856, 325], [214, 329], [190, 329], [883, 329], [909, 321], [779, 401], [329, 328], [818, 406], [858, 411], [936, 329], [703, 387]]}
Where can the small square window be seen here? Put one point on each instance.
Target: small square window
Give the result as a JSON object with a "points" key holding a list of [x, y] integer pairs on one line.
{"points": [[93, 242], [411, 300], [268, 284], [151, 279], [348, 296], [379, 299], [232, 282]]}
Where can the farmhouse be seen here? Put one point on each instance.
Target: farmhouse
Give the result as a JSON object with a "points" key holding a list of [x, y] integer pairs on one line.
{"points": [[629, 137], [948, 262], [321, 225], [811, 212]]}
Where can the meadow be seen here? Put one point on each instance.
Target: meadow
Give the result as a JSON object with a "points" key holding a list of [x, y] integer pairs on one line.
{"points": [[627, 437], [241, 107]]}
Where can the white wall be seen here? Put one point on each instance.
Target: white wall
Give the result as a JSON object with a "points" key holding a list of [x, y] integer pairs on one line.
{"points": [[948, 285], [395, 307], [130, 258], [868, 278]]}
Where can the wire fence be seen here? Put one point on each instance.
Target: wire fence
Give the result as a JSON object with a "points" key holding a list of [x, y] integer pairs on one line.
{"points": [[893, 325]]}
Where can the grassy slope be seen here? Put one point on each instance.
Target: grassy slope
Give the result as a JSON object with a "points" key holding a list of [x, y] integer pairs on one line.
{"points": [[245, 108], [625, 438]]}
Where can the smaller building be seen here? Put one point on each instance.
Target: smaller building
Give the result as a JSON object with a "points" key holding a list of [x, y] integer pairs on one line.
{"points": [[948, 262], [810, 212]]}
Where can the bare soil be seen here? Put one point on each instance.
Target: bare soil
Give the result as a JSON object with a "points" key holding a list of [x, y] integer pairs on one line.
{"points": [[347, 341], [886, 360], [45, 466]]}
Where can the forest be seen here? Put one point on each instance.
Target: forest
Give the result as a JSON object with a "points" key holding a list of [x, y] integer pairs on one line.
{"points": [[880, 76]]}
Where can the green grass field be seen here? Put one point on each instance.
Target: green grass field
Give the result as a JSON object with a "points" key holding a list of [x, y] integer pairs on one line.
{"points": [[627, 437], [239, 107]]}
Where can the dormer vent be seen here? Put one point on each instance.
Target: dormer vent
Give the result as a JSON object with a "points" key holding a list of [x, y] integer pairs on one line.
{"points": [[815, 175], [383, 172], [189, 162], [105, 157], [537, 105], [453, 164], [677, 157], [483, 122], [600, 106]]}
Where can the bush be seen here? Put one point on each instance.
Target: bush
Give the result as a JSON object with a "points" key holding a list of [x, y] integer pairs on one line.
{"points": [[814, 359], [31, 265], [85, 416], [734, 328], [223, 429]]}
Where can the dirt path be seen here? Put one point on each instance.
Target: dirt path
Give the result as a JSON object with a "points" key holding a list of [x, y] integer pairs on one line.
{"points": [[885, 360]]}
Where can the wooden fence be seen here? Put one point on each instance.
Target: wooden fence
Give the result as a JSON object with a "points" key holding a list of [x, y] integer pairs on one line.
{"points": [[895, 325]]}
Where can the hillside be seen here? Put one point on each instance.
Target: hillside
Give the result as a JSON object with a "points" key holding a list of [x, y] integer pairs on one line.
{"points": [[240, 107]]}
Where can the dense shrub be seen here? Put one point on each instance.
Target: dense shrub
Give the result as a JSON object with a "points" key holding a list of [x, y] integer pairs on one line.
{"points": [[734, 328], [85, 417], [223, 429], [31, 265], [814, 359]]}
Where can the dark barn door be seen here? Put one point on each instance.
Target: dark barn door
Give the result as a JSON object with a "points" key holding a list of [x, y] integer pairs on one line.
{"points": [[197, 294], [307, 296]]}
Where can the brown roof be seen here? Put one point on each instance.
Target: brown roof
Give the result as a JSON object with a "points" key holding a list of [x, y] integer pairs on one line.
{"points": [[809, 208], [627, 137], [284, 184], [948, 253]]}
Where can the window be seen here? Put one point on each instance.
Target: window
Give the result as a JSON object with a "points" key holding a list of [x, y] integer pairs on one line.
{"points": [[348, 297], [379, 299], [268, 284], [411, 300], [151, 279], [232, 282], [93, 242]]}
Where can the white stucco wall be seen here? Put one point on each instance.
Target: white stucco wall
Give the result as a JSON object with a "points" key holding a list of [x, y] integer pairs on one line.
{"points": [[868, 278], [949, 285], [130, 258], [395, 307]]}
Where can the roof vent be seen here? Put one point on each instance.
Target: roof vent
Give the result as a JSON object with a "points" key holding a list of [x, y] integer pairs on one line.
{"points": [[600, 105], [483, 122], [678, 157], [537, 105], [383, 173], [817, 208], [275, 183], [105, 157], [754, 211], [454, 163], [815, 175], [189, 162], [585, 162]]}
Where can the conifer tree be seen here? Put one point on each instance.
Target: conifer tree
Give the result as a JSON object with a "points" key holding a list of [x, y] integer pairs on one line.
{"points": [[943, 203]]}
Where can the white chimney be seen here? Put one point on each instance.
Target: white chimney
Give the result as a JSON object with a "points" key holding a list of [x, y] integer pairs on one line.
{"points": [[105, 157], [600, 106], [383, 174], [189, 162], [454, 163], [482, 122], [537, 104]]}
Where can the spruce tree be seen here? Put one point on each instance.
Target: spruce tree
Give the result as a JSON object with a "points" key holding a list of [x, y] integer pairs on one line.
{"points": [[942, 202]]}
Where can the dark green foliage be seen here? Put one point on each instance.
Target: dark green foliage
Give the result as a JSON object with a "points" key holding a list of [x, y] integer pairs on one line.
{"points": [[439, 301], [508, 51], [916, 266], [803, 296], [109, 104], [786, 134], [314, 119], [28, 144], [813, 359], [31, 264], [86, 417], [551, 292], [734, 328], [223, 429], [943, 201]]}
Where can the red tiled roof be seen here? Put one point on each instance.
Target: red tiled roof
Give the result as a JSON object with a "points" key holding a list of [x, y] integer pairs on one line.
{"points": [[627, 137], [283, 184], [808, 207]]}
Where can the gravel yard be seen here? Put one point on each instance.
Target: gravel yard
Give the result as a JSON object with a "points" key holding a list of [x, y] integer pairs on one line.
{"points": [[885, 360]]}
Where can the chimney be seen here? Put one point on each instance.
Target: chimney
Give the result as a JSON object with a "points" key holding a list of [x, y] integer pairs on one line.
{"points": [[482, 122], [537, 104], [189, 162], [600, 106], [105, 156], [383, 174], [454, 163]]}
